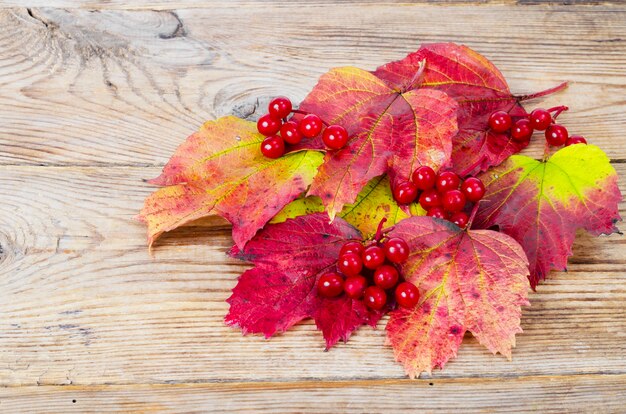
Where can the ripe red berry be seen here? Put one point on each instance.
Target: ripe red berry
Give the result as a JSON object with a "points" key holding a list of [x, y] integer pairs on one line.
{"points": [[330, 285], [437, 212], [429, 199], [335, 137], [280, 107], [290, 133], [407, 295], [273, 147], [500, 121], [522, 130], [453, 201], [556, 135], [352, 247], [386, 276], [447, 181], [424, 177], [375, 298], [373, 256], [540, 119], [473, 188], [267, 125], [575, 139], [354, 286], [460, 219], [350, 264], [396, 250], [405, 192], [310, 126]]}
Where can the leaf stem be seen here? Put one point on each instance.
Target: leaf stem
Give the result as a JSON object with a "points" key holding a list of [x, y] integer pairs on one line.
{"points": [[379, 230], [472, 215], [541, 94]]}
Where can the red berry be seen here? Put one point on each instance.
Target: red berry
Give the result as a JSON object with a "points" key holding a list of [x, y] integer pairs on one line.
{"points": [[350, 264], [407, 295], [375, 298], [352, 247], [330, 285], [424, 177], [354, 286], [556, 135], [453, 201], [447, 181], [290, 133], [396, 250], [437, 212], [268, 126], [386, 276], [405, 192], [575, 139], [430, 198], [373, 256], [500, 121], [280, 107], [473, 188], [273, 147], [335, 137], [460, 219], [540, 119], [522, 130], [310, 126]]}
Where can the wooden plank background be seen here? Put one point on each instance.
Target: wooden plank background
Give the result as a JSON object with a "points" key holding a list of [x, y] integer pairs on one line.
{"points": [[95, 96]]}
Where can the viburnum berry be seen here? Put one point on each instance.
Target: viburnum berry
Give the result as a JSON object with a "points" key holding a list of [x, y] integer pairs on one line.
{"points": [[268, 126], [310, 126], [330, 285], [500, 121], [273, 147], [540, 119], [350, 264], [386, 276], [407, 295], [280, 107], [473, 188], [396, 250], [429, 199], [453, 201], [424, 177], [290, 133], [405, 192], [373, 256], [556, 135], [354, 286], [575, 139], [437, 212], [522, 130], [375, 298], [352, 247], [335, 137], [447, 181], [460, 219]]}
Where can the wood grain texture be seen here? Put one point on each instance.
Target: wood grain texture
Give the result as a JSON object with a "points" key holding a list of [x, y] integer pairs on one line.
{"points": [[94, 98]]}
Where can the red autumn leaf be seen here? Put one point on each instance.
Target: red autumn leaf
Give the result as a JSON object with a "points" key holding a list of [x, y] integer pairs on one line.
{"points": [[542, 204], [478, 87], [471, 280], [280, 290], [390, 132]]}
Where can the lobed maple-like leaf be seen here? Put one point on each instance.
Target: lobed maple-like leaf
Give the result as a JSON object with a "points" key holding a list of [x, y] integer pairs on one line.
{"points": [[469, 280], [541, 204], [280, 290], [220, 170], [478, 87], [391, 131]]}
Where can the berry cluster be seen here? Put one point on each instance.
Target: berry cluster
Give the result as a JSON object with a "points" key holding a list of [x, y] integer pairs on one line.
{"points": [[292, 131], [370, 273], [442, 195], [538, 120]]}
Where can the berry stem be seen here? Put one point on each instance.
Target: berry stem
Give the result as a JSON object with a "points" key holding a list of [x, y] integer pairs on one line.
{"points": [[297, 111], [379, 230], [541, 94], [557, 110]]}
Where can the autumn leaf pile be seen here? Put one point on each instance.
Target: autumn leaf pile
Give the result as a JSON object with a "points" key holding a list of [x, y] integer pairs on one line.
{"points": [[291, 215]]}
